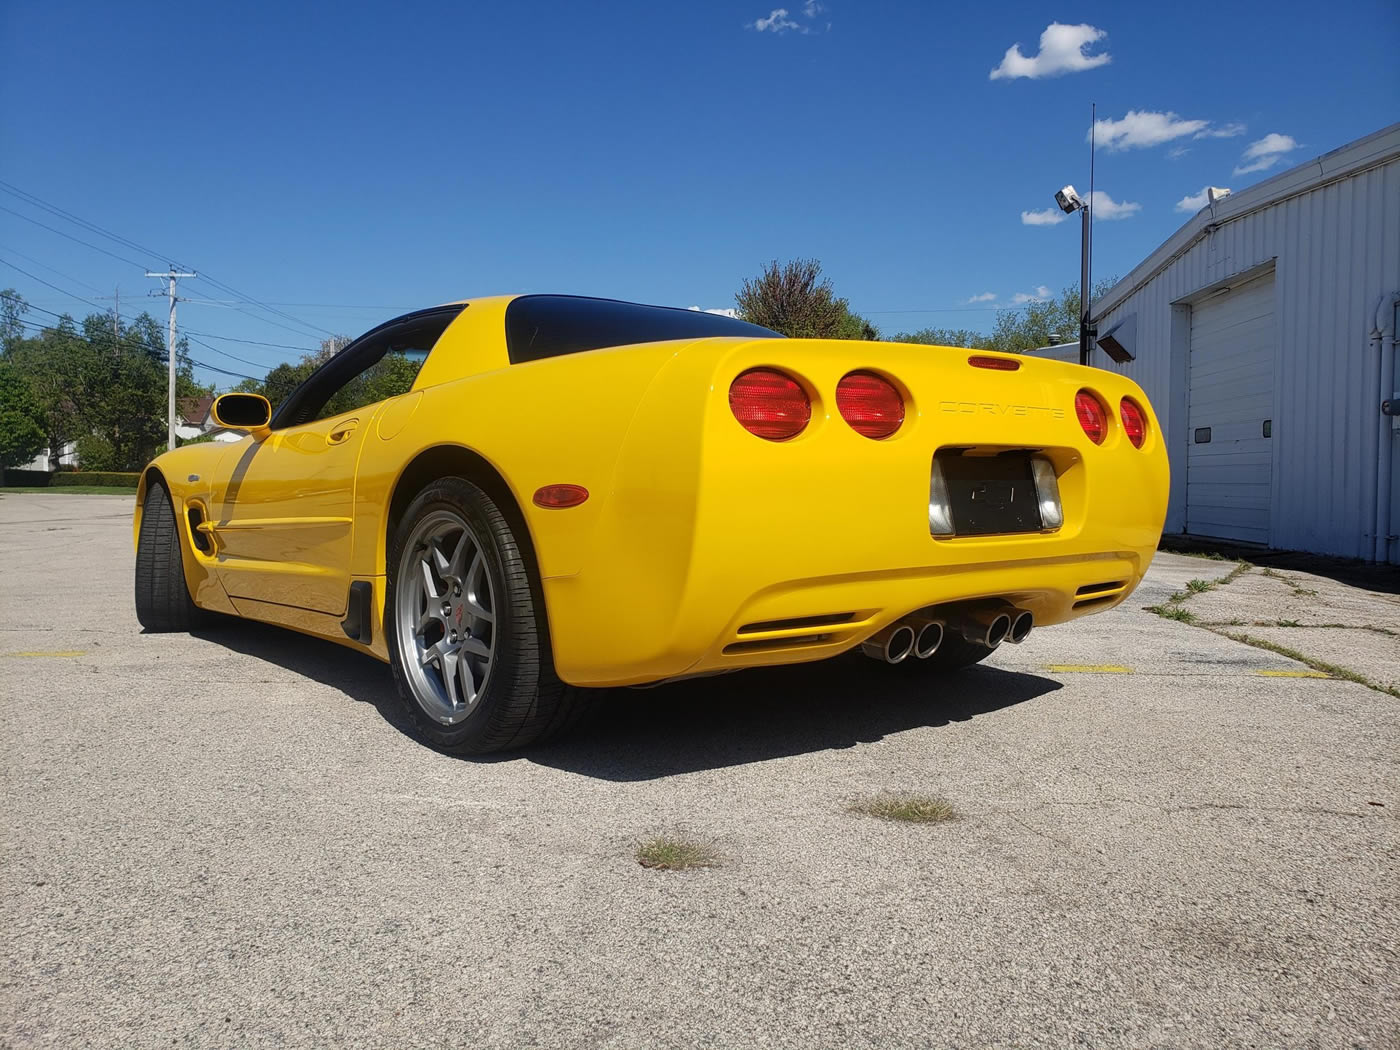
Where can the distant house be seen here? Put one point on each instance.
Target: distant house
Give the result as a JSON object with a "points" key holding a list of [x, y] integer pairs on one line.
{"points": [[1264, 331], [192, 416]]}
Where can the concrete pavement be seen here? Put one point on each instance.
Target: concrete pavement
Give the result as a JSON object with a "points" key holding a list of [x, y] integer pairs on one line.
{"points": [[227, 841]]}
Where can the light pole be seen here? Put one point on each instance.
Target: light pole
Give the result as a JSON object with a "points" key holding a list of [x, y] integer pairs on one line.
{"points": [[1070, 202]]}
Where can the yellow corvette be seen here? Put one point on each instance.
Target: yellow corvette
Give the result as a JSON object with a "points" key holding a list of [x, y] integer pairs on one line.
{"points": [[513, 500]]}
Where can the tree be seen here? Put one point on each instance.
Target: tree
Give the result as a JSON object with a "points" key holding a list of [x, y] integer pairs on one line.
{"points": [[1042, 323], [12, 311], [945, 337], [21, 419], [795, 300]]}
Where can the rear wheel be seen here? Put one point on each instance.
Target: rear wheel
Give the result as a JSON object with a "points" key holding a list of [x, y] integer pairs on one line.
{"points": [[163, 601], [466, 630]]}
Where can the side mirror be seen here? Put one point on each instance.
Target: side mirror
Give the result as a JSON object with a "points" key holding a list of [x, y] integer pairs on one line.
{"points": [[250, 412]]}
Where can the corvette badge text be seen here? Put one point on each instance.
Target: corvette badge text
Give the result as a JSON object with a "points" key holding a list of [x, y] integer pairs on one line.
{"points": [[992, 408]]}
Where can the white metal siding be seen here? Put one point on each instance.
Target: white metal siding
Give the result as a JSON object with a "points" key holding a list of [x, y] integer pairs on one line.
{"points": [[1337, 251], [1229, 461]]}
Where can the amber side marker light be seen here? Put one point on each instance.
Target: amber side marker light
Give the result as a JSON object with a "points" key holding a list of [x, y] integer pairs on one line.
{"points": [[1134, 421], [557, 497], [997, 364]]}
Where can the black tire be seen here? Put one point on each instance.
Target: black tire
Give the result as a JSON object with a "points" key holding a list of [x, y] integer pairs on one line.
{"points": [[523, 701], [163, 601]]}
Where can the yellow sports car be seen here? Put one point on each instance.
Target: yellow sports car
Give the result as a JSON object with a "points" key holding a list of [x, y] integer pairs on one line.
{"points": [[516, 500]]}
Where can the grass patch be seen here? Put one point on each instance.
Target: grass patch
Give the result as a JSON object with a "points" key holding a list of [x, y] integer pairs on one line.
{"points": [[1288, 623], [1172, 611], [1344, 673], [671, 853], [907, 807], [69, 490], [1199, 586]]}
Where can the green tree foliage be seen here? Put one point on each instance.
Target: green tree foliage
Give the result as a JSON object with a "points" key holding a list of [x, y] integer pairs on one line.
{"points": [[21, 419], [12, 311], [945, 337], [797, 301], [102, 386]]}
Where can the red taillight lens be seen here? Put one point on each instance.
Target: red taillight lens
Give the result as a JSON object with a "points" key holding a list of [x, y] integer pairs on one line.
{"points": [[770, 404], [1134, 422], [1093, 417], [870, 403]]}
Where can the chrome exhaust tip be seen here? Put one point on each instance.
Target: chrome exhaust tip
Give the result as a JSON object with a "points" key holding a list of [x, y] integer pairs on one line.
{"points": [[1021, 623], [890, 644], [928, 635], [986, 627]]}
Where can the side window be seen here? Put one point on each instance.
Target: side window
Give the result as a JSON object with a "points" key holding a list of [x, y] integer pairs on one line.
{"points": [[379, 365], [392, 375]]}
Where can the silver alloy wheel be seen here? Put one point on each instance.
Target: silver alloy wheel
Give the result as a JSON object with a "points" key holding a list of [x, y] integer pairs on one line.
{"points": [[445, 616]]}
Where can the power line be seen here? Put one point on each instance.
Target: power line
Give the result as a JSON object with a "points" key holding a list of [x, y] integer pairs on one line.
{"points": [[48, 284], [75, 240], [39, 202], [160, 354], [253, 342]]}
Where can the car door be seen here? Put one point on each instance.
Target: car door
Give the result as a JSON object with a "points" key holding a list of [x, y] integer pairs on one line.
{"points": [[285, 521], [284, 505]]}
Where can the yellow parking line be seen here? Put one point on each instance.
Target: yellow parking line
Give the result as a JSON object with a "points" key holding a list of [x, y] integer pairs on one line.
{"points": [[1293, 674], [1089, 668], [55, 654]]}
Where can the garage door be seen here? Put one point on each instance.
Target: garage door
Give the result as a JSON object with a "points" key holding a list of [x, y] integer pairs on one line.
{"points": [[1230, 462]]}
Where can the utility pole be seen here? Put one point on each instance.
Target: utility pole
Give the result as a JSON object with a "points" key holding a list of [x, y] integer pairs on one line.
{"points": [[1086, 247], [172, 275], [116, 318]]}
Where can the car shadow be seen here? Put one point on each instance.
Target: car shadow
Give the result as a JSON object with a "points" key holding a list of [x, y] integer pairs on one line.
{"points": [[699, 724]]}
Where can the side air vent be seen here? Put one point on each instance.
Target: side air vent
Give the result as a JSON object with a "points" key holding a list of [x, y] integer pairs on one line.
{"points": [[797, 623], [1098, 588], [199, 539], [759, 645], [1084, 603]]}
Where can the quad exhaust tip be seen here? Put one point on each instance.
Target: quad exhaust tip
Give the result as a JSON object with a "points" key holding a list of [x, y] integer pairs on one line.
{"points": [[1021, 623], [891, 644], [988, 627], [928, 635]]}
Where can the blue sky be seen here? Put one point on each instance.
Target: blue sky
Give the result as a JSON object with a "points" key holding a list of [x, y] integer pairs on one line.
{"points": [[369, 158]]}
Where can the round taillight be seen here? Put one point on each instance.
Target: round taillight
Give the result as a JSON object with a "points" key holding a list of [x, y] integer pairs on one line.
{"points": [[1093, 417], [1134, 422], [870, 403], [770, 404]]}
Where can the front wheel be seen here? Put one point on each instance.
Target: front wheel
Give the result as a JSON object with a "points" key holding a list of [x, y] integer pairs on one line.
{"points": [[163, 601], [467, 636]]}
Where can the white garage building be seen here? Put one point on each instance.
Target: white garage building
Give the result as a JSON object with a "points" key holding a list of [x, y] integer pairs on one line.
{"points": [[1264, 331]]}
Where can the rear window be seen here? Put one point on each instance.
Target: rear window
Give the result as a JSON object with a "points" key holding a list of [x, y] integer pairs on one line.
{"points": [[540, 326]]}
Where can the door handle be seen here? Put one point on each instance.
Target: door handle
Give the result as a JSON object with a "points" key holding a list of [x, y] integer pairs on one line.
{"points": [[342, 432]]}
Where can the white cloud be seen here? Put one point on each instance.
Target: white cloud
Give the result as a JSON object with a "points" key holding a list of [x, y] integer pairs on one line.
{"points": [[723, 311], [1141, 129], [985, 297], [1039, 295], [1106, 208], [1265, 153], [1177, 152], [777, 22], [1046, 217], [780, 20], [1061, 51], [1225, 131], [1194, 202]]}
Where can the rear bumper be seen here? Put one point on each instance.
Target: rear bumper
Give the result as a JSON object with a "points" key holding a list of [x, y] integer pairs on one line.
{"points": [[718, 550]]}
